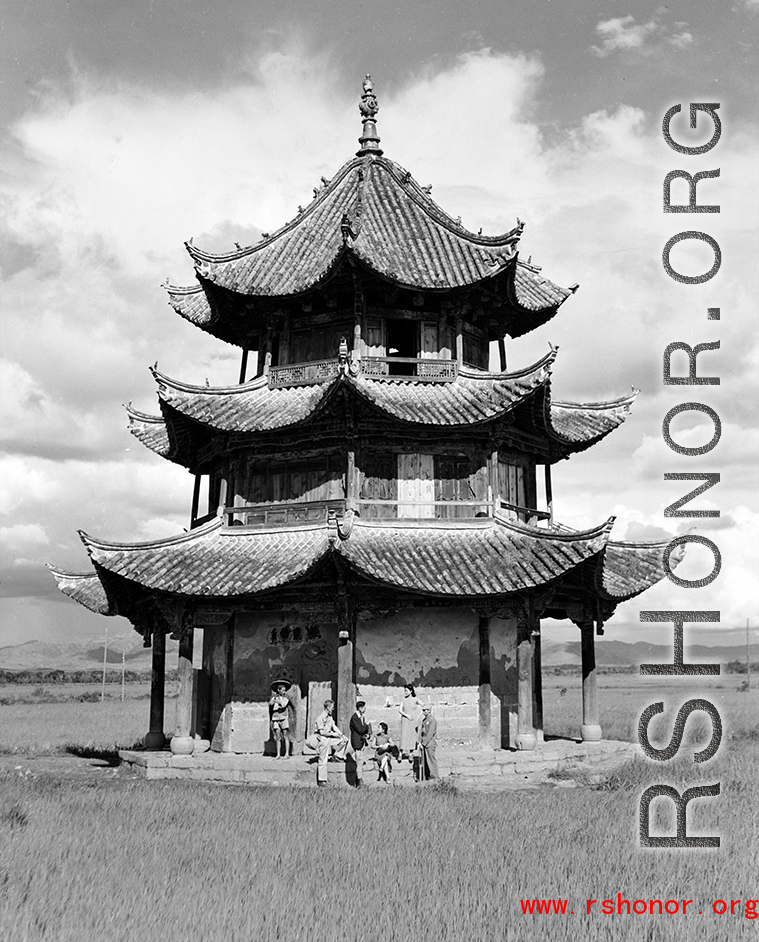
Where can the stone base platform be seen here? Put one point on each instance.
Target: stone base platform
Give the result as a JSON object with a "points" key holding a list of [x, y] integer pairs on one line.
{"points": [[560, 762]]}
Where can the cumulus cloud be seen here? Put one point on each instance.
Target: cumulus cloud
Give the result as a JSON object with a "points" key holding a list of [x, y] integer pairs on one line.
{"points": [[109, 181], [622, 33]]}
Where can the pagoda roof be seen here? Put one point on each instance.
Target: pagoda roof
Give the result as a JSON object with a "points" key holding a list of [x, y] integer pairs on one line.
{"points": [[85, 588], [375, 211], [582, 424], [474, 397], [631, 568], [446, 559], [533, 299], [474, 558]]}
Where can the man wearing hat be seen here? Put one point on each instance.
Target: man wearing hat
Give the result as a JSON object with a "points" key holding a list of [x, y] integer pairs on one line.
{"points": [[279, 707], [326, 740], [361, 733], [428, 743]]}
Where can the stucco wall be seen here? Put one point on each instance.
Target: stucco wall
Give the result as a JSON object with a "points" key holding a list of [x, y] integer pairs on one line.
{"points": [[432, 647], [435, 648], [294, 646]]}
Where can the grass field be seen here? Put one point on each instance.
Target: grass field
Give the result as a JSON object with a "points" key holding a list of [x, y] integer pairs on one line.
{"points": [[115, 859]]}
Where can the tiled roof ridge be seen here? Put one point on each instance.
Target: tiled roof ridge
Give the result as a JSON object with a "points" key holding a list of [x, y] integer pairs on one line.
{"points": [[401, 177], [71, 576], [137, 415], [600, 406], [614, 412], [600, 531], [545, 362], [257, 382], [198, 533], [199, 255], [425, 202]]}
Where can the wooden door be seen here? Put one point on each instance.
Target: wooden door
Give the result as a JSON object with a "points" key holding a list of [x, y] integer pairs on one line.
{"points": [[416, 485]]}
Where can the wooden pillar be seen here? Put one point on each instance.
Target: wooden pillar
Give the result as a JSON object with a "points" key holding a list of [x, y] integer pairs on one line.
{"points": [[195, 501], [155, 739], [485, 718], [493, 493], [267, 353], [460, 341], [243, 365], [549, 493], [346, 689], [525, 739], [351, 489], [537, 683], [182, 742], [591, 727], [357, 350], [502, 352]]}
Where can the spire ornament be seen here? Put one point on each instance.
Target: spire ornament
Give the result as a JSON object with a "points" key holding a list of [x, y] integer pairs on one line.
{"points": [[368, 107]]}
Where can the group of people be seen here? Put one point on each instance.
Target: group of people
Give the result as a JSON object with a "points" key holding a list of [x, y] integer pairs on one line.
{"points": [[417, 742]]}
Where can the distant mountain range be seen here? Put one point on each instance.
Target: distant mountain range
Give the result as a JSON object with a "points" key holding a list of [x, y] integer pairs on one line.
{"points": [[78, 655], [84, 655], [627, 654]]}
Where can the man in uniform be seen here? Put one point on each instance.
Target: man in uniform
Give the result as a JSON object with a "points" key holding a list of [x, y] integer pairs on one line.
{"points": [[326, 740]]}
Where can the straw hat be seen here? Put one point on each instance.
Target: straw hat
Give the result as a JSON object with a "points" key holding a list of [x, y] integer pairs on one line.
{"points": [[280, 683]]}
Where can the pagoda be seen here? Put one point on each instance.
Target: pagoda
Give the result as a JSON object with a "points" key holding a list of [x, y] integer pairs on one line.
{"points": [[365, 507]]}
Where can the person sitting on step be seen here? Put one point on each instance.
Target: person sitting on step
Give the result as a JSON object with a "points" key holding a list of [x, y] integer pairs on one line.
{"points": [[326, 741]]}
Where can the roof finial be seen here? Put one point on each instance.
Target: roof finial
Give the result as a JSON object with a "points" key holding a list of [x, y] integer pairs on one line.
{"points": [[368, 107]]}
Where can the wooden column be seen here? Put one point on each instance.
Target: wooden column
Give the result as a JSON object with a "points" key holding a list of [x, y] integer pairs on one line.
{"points": [[485, 718], [346, 689], [243, 365], [351, 481], [537, 683], [591, 726], [549, 493], [502, 352], [195, 501], [182, 742], [493, 493], [460, 341], [525, 738], [155, 739]]}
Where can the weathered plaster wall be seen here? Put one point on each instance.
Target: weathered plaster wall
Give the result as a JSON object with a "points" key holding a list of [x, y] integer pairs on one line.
{"points": [[289, 645], [268, 646], [432, 647]]}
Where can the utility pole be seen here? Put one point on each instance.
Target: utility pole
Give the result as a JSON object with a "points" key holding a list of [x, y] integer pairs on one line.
{"points": [[123, 669], [748, 658], [105, 658]]}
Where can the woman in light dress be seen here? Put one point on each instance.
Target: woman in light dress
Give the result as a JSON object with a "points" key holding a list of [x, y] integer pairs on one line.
{"points": [[409, 713]]}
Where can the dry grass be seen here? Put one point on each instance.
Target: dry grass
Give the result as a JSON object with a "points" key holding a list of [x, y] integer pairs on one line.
{"points": [[117, 860]]}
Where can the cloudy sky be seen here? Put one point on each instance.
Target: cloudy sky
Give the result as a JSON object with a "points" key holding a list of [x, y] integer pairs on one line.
{"points": [[133, 126]]}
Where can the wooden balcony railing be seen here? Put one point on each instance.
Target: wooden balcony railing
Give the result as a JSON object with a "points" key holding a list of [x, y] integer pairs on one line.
{"points": [[299, 511], [290, 511], [302, 374], [424, 370]]}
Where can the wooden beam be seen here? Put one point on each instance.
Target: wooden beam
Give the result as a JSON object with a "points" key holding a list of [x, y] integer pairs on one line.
{"points": [[591, 726], [484, 693], [155, 739]]}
